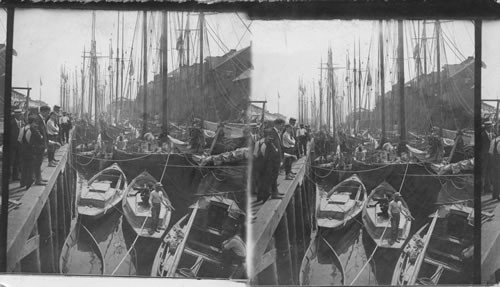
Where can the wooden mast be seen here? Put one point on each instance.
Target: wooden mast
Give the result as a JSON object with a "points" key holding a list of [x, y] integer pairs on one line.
{"points": [[145, 72], [382, 81], [202, 98], [117, 66], [94, 67], [359, 84], [164, 49], [83, 83], [355, 96], [401, 86], [123, 66], [321, 95], [332, 87]]}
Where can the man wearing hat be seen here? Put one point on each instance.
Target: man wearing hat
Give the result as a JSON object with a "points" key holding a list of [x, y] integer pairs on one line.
{"points": [[57, 110], [156, 199], [486, 137], [15, 155], [38, 152], [395, 210], [494, 153], [292, 122]]}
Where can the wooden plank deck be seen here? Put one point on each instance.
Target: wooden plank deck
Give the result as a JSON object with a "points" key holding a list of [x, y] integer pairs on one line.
{"points": [[22, 219], [265, 217]]}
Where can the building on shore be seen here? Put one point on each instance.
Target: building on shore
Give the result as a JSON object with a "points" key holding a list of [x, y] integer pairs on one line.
{"points": [[425, 105], [220, 94]]}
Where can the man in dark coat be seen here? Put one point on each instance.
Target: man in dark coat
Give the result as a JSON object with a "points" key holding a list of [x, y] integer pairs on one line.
{"points": [[39, 147], [32, 145], [486, 137], [15, 154], [275, 158]]}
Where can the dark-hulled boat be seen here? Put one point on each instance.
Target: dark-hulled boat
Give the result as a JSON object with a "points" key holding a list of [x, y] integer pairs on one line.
{"points": [[137, 210], [103, 192], [192, 247], [312, 252], [376, 221], [66, 260], [340, 206], [440, 252]]}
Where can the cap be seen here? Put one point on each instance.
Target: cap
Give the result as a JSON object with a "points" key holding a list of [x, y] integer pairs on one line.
{"points": [[293, 120], [397, 195], [488, 123], [17, 112], [158, 184]]}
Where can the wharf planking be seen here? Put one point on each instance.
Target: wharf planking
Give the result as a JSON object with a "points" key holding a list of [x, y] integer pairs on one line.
{"points": [[281, 228], [42, 220]]}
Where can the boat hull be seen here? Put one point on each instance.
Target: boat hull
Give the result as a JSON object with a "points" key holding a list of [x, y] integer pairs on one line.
{"points": [[380, 231], [138, 213]]}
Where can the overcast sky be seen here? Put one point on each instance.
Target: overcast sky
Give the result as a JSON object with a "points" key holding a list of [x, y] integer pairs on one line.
{"points": [[490, 88], [284, 51], [45, 40]]}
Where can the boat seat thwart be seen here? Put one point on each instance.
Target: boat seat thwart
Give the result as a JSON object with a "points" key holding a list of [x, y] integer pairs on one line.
{"points": [[445, 254], [447, 266], [205, 257]]}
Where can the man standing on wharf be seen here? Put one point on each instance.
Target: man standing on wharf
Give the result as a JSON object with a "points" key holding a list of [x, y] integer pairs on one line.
{"points": [[494, 153], [277, 158], [38, 152]]}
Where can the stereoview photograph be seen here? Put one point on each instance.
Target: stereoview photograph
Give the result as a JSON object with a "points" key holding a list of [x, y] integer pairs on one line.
{"points": [[362, 170], [133, 143]]}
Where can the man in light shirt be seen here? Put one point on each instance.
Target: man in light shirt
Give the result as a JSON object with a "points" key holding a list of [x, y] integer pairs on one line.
{"points": [[52, 133], [302, 140], [289, 149]]}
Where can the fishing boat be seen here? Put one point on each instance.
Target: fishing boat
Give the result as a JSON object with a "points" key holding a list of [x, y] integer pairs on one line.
{"points": [[438, 253], [77, 231], [312, 252], [192, 247], [376, 221], [340, 206], [103, 192], [137, 210]]}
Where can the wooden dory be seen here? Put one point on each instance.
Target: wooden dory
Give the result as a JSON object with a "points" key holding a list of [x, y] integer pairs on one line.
{"points": [[138, 213], [375, 222], [192, 247], [103, 192], [437, 253], [341, 204]]}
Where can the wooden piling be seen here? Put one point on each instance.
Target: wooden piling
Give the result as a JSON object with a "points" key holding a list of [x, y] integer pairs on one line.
{"points": [[55, 223], [305, 210], [60, 209], [292, 227], [284, 260], [299, 218], [46, 243]]}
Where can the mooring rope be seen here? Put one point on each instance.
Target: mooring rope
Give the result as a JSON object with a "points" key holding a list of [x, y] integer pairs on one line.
{"points": [[131, 247], [165, 168]]}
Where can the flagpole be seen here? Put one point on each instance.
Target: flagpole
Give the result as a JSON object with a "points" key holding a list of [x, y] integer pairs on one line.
{"points": [[40, 89]]}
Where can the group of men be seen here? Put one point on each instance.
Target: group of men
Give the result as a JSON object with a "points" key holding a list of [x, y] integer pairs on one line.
{"points": [[280, 144], [490, 158], [31, 134]]}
